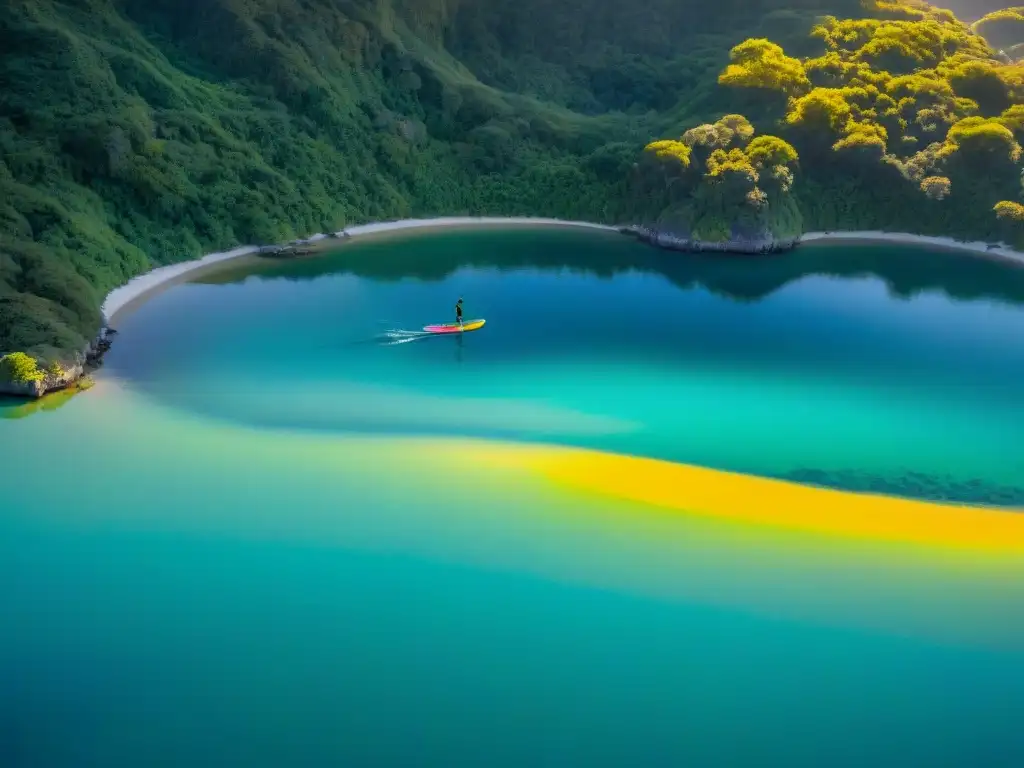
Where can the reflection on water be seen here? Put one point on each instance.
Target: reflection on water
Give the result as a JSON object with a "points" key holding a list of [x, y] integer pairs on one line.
{"points": [[850, 367], [222, 577], [17, 408], [907, 271]]}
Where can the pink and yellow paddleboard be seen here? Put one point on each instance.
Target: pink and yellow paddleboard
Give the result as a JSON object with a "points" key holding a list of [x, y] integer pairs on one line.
{"points": [[468, 325]]}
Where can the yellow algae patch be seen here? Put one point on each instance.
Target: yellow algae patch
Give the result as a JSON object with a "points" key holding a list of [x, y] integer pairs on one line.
{"points": [[749, 499]]}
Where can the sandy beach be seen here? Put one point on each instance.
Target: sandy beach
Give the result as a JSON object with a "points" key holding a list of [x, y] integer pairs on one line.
{"points": [[141, 286], [991, 250]]}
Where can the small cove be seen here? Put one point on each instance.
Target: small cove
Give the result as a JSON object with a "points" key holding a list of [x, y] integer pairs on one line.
{"points": [[266, 537], [833, 365]]}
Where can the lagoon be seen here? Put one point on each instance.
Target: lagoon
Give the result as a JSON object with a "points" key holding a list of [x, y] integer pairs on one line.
{"points": [[273, 535]]}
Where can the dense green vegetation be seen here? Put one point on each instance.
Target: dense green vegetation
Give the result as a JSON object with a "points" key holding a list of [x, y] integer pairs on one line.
{"points": [[139, 132], [20, 368], [907, 120]]}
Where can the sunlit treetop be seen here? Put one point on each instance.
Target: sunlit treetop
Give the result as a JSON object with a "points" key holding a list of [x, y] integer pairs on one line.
{"points": [[909, 10], [760, 63], [770, 151], [936, 187], [1009, 210], [979, 80], [20, 368], [735, 160], [981, 135], [922, 163], [1013, 118], [866, 138], [898, 46], [821, 109], [739, 125], [670, 151], [709, 135]]}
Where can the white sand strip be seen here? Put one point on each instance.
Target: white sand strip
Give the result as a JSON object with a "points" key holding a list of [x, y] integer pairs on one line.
{"points": [[466, 221], [143, 284], [148, 281], [1000, 250]]}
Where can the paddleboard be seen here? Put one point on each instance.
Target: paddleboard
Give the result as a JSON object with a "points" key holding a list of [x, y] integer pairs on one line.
{"points": [[468, 325]]}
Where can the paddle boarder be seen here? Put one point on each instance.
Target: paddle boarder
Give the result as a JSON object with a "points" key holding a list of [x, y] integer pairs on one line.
{"points": [[458, 311]]}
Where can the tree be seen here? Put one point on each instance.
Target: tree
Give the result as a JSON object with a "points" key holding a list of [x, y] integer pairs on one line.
{"points": [[760, 63], [709, 136], [866, 139], [731, 164], [770, 151], [823, 109], [670, 151], [981, 136], [739, 125], [1009, 211], [935, 187], [981, 82], [19, 368]]}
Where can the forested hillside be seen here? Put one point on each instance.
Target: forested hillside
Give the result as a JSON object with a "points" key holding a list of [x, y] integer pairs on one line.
{"points": [[905, 121], [135, 132]]}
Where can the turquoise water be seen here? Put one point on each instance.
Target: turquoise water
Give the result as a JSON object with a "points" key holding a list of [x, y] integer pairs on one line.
{"points": [[826, 380], [230, 551]]}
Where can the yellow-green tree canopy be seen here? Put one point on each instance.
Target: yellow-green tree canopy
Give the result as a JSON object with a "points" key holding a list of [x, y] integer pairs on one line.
{"points": [[912, 87], [670, 151], [1002, 28], [770, 151], [709, 135], [936, 187], [732, 164], [739, 125], [731, 172], [867, 139], [933, 123], [926, 87], [719, 134], [899, 46], [921, 163], [760, 63], [1013, 118], [981, 135], [1009, 210], [19, 368], [821, 109], [981, 82]]}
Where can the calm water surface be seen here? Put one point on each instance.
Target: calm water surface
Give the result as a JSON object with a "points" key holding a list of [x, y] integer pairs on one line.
{"points": [[263, 538]]}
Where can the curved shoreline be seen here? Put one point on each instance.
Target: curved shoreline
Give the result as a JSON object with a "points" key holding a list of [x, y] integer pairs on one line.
{"points": [[978, 247], [142, 285]]}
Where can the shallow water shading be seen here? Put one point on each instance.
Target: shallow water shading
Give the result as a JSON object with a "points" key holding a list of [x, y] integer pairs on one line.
{"points": [[787, 368], [264, 538]]}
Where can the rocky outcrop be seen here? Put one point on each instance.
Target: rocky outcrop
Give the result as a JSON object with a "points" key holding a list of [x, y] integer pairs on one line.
{"points": [[50, 382], [739, 242], [90, 358]]}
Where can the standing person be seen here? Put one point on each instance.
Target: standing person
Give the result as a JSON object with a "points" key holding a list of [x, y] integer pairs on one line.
{"points": [[458, 311]]}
